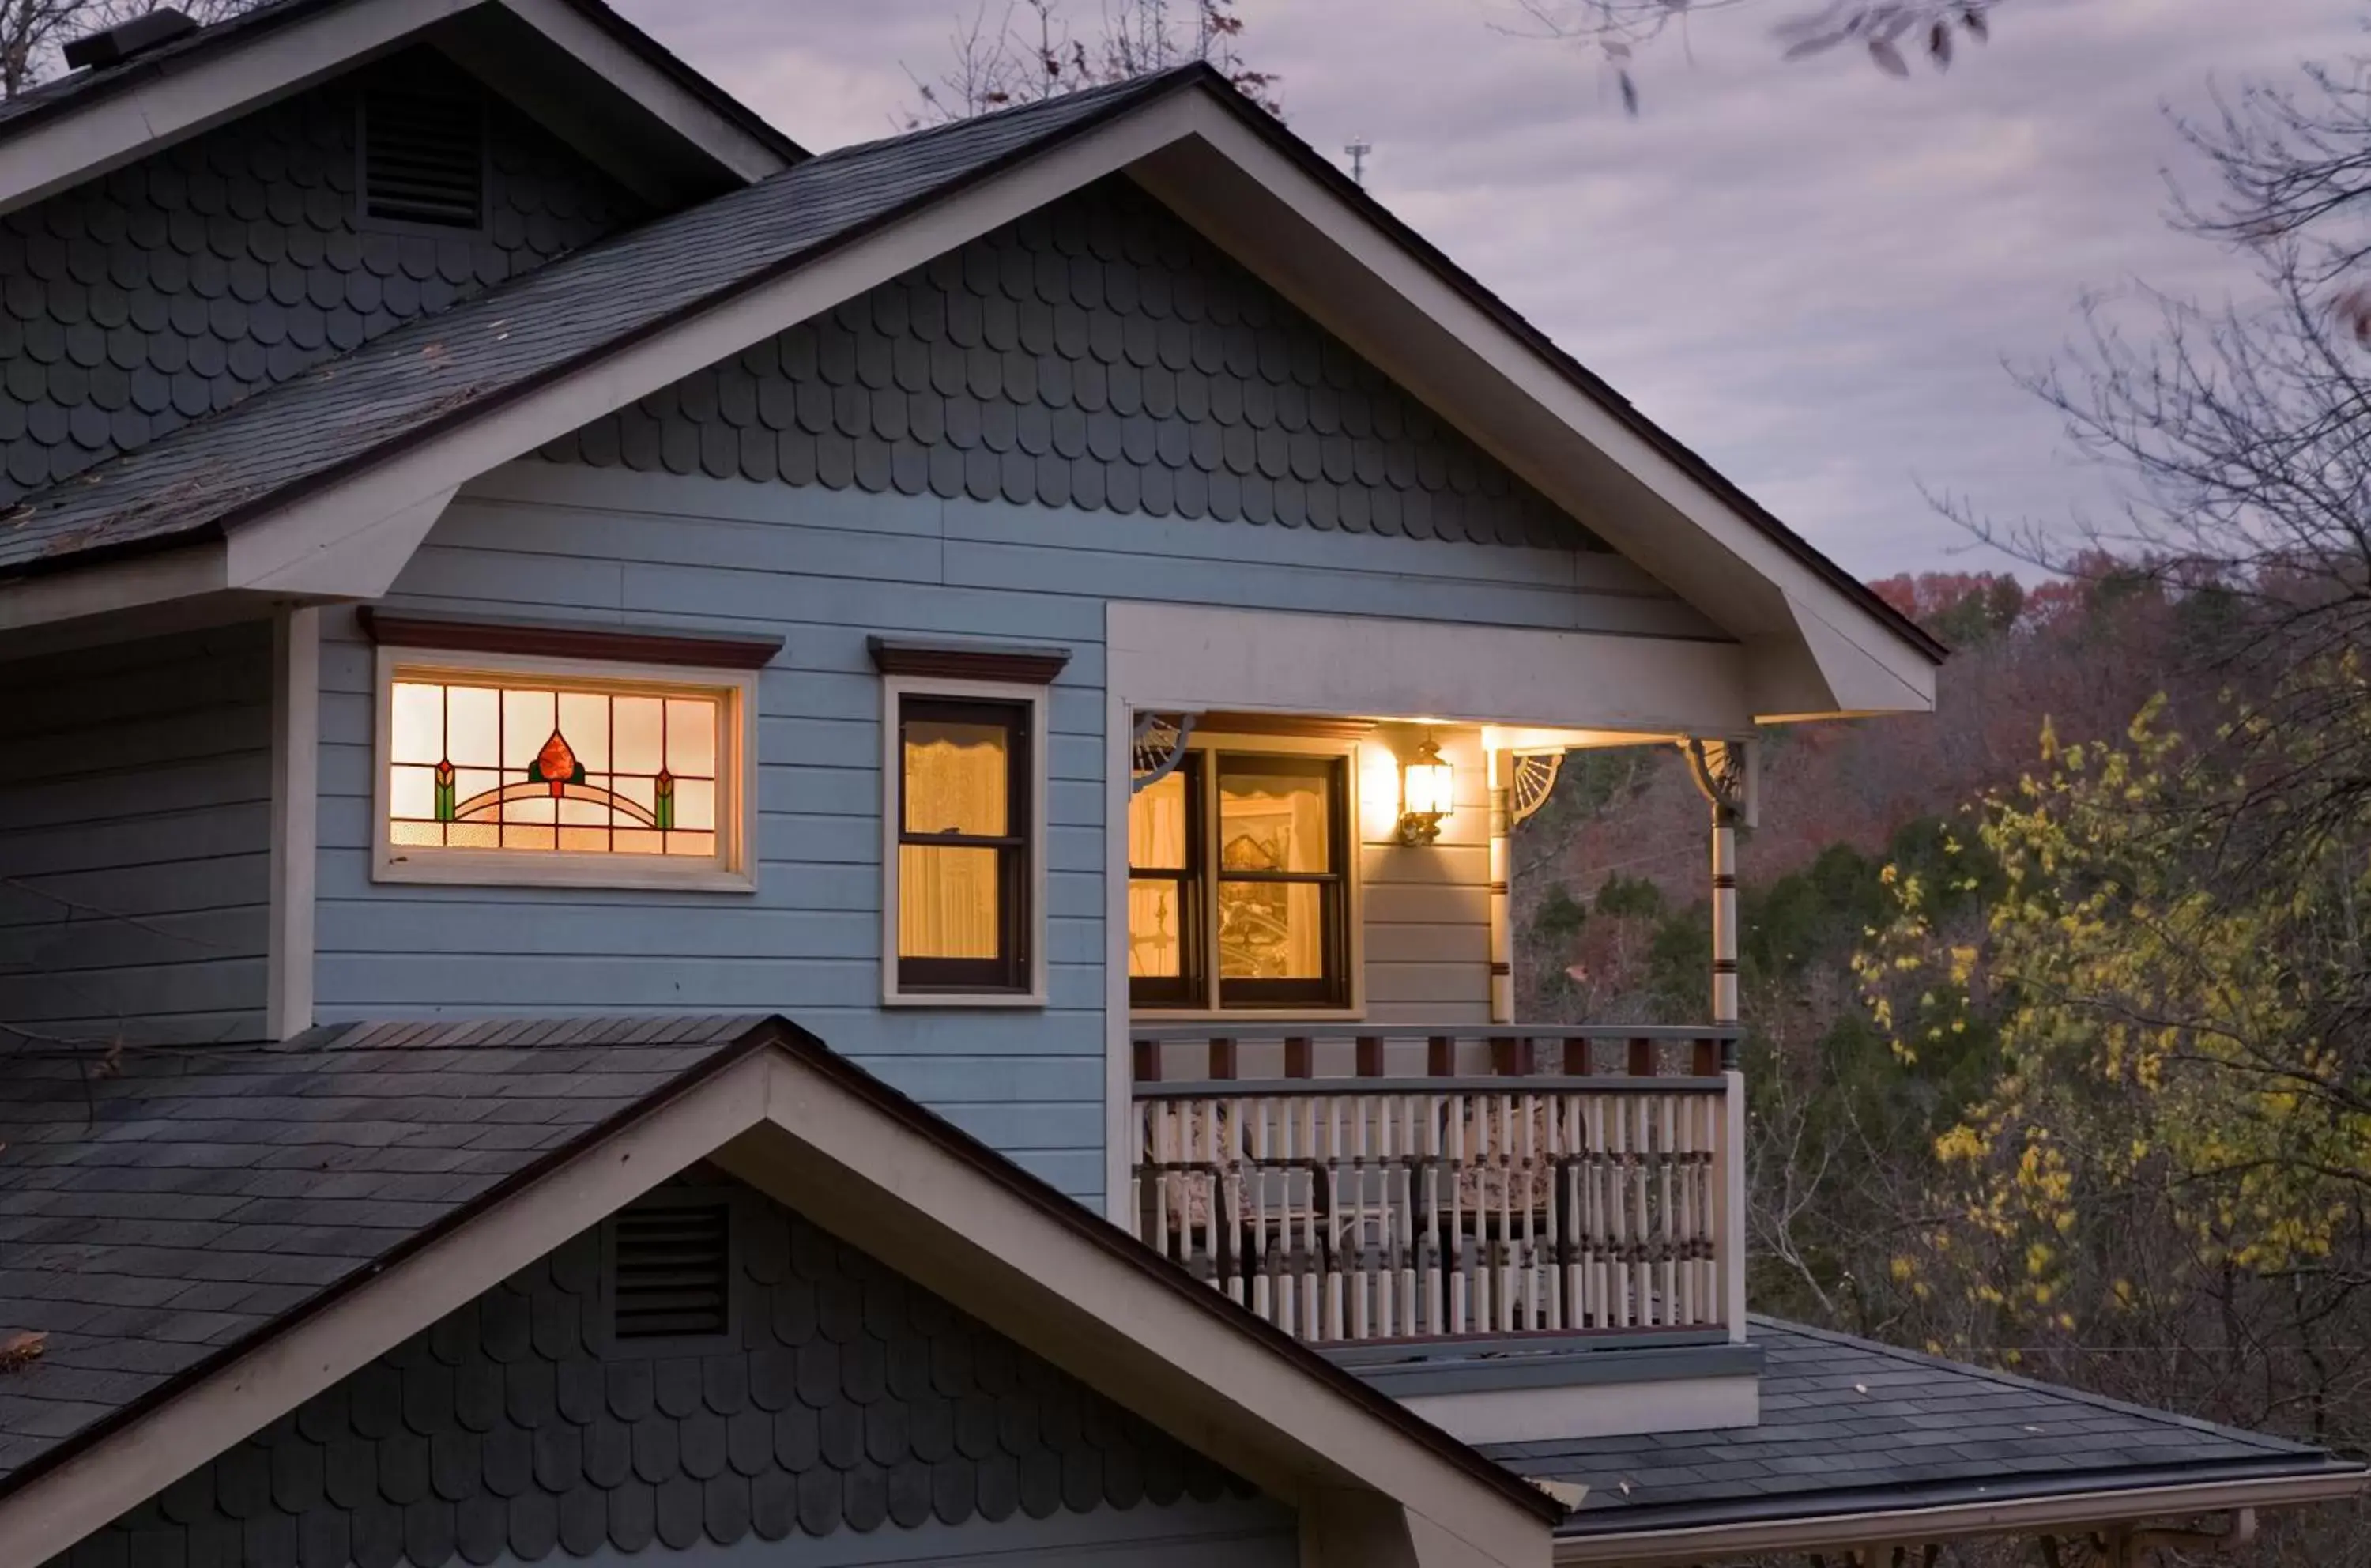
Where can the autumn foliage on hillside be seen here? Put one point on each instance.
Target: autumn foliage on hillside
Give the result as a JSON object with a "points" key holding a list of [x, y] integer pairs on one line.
{"points": [[2082, 653], [2054, 1056]]}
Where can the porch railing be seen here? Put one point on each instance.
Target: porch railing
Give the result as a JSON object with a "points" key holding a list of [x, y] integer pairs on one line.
{"points": [[1541, 1194]]}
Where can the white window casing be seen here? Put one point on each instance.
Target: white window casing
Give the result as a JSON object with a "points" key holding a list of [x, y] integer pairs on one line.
{"points": [[733, 868]]}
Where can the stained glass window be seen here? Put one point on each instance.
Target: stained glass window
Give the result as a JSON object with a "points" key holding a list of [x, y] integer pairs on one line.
{"points": [[547, 768]]}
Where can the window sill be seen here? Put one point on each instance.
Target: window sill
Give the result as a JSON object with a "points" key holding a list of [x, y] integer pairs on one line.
{"points": [[1247, 1015], [476, 871], [964, 999]]}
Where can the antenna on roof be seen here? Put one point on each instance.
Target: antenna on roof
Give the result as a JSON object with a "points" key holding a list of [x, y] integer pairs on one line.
{"points": [[1358, 149], [113, 46]]}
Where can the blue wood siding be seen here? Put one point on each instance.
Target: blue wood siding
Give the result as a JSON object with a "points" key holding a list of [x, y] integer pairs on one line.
{"points": [[824, 570], [136, 808]]}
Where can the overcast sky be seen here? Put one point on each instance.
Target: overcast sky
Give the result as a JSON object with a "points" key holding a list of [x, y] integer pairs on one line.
{"points": [[1810, 273]]}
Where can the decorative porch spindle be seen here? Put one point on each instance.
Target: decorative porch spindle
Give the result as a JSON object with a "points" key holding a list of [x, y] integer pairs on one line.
{"points": [[1502, 937]]}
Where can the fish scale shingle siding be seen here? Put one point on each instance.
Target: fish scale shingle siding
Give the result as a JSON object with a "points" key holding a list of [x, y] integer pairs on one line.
{"points": [[853, 1401], [1097, 354], [182, 284]]}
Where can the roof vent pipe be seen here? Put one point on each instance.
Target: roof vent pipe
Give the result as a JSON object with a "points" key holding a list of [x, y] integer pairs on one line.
{"points": [[113, 46]]}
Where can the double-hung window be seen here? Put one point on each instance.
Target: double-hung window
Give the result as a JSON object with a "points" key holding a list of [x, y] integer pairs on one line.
{"points": [[1239, 884], [963, 764], [963, 845]]}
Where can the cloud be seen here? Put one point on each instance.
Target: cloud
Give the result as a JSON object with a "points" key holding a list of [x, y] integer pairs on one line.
{"points": [[1810, 273]]}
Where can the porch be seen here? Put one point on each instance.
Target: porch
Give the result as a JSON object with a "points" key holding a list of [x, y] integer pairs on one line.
{"points": [[1326, 1103]]}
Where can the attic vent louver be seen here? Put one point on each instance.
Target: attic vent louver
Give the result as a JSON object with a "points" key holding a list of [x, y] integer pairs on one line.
{"points": [[673, 1271], [423, 156], [113, 46]]}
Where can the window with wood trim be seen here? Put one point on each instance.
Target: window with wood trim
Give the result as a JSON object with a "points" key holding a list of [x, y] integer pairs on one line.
{"points": [[1239, 884], [576, 773], [966, 821]]}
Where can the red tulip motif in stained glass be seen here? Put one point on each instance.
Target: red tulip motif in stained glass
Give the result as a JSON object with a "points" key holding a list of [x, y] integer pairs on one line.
{"points": [[556, 765]]}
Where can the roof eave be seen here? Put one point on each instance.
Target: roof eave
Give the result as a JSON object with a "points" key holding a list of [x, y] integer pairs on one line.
{"points": [[1766, 1525]]}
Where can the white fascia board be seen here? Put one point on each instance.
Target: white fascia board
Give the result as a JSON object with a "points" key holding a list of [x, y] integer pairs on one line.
{"points": [[1192, 658], [837, 1156], [113, 587], [304, 554], [1362, 283], [668, 101], [2073, 1513], [183, 100], [330, 551]]}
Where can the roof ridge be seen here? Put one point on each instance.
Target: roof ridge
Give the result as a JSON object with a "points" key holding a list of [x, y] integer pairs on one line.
{"points": [[1147, 81], [2011, 1379]]}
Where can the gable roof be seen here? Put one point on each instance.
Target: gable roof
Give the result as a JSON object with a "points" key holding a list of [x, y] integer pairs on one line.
{"points": [[204, 1197], [78, 125], [440, 372], [78, 89], [1851, 1427], [394, 396], [167, 1226]]}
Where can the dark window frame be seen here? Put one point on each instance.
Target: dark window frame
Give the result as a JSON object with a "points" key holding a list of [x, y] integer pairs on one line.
{"points": [[1332, 988], [1010, 971], [1200, 987], [1190, 987]]}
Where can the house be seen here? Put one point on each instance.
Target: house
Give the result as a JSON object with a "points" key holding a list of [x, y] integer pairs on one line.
{"points": [[711, 854]]}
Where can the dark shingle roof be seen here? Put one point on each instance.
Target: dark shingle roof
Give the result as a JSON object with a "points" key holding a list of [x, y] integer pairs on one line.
{"points": [[1848, 1425], [153, 1219], [460, 363], [160, 1218]]}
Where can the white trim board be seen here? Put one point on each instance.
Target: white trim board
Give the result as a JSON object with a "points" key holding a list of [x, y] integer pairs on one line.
{"points": [[838, 1154], [1558, 1414], [295, 812]]}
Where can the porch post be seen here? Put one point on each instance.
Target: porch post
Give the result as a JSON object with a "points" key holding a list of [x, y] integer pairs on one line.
{"points": [[294, 811], [1502, 933], [1724, 913], [1719, 774]]}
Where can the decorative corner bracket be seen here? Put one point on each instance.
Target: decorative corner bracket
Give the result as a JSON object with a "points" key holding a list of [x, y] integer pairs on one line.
{"points": [[1723, 775], [1159, 746]]}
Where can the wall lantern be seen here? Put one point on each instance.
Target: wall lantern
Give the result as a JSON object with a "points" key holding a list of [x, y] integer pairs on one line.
{"points": [[1428, 794]]}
